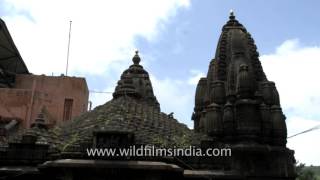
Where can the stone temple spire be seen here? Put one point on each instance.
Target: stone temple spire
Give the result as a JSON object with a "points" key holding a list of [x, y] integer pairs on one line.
{"points": [[135, 82], [236, 99], [237, 107]]}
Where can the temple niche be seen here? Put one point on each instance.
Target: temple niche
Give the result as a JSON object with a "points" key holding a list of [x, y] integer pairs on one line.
{"points": [[237, 106]]}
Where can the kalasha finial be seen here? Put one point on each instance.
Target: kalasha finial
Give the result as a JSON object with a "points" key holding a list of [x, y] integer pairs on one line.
{"points": [[136, 59], [231, 14]]}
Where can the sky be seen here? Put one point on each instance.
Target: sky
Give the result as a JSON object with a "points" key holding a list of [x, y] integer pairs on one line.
{"points": [[176, 40]]}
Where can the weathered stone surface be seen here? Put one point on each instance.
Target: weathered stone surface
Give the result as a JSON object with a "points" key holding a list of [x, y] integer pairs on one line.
{"points": [[240, 109]]}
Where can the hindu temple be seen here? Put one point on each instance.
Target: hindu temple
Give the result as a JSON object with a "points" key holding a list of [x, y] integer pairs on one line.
{"points": [[236, 107]]}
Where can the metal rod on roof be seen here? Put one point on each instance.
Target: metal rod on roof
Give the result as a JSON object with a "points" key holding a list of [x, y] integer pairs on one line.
{"points": [[68, 48]]}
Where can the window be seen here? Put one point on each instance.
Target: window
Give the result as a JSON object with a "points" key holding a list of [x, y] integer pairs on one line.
{"points": [[67, 111]]}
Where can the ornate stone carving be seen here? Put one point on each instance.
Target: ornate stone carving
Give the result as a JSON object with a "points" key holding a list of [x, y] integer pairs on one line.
{"points": [[270, 93], [200, 92], [202, 121], [228, 120], [135, 83], [213, 120], [247, 118], [279, 128], [266, 123], [218, 94], [244, 82]]}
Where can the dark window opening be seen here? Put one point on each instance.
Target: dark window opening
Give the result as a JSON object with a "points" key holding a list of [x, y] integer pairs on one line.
{"points": [[67, 111]]}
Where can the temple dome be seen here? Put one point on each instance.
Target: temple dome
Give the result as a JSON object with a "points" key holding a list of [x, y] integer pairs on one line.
{"points": [[135, 82]]}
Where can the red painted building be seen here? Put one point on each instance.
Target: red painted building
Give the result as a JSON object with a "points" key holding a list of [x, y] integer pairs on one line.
{"points": [[62, 97], [23, 95]]}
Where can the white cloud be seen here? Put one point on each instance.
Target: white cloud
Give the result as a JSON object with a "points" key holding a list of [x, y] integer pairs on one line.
{"points": [[196, 75], [295, 70], [102, 39], [102, 31], [175, 96], [99, 97], [288, 46]]}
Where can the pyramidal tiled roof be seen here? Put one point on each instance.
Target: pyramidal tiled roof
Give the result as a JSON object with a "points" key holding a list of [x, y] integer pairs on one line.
{"points": [[149, 125]]}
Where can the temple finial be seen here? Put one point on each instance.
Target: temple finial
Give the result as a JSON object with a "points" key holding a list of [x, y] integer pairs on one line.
{"points": [[231, 16], [136, 59]]}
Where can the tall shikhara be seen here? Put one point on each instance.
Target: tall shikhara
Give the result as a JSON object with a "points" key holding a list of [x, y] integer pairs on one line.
{"points": [[236, 102], [236, 105]]}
